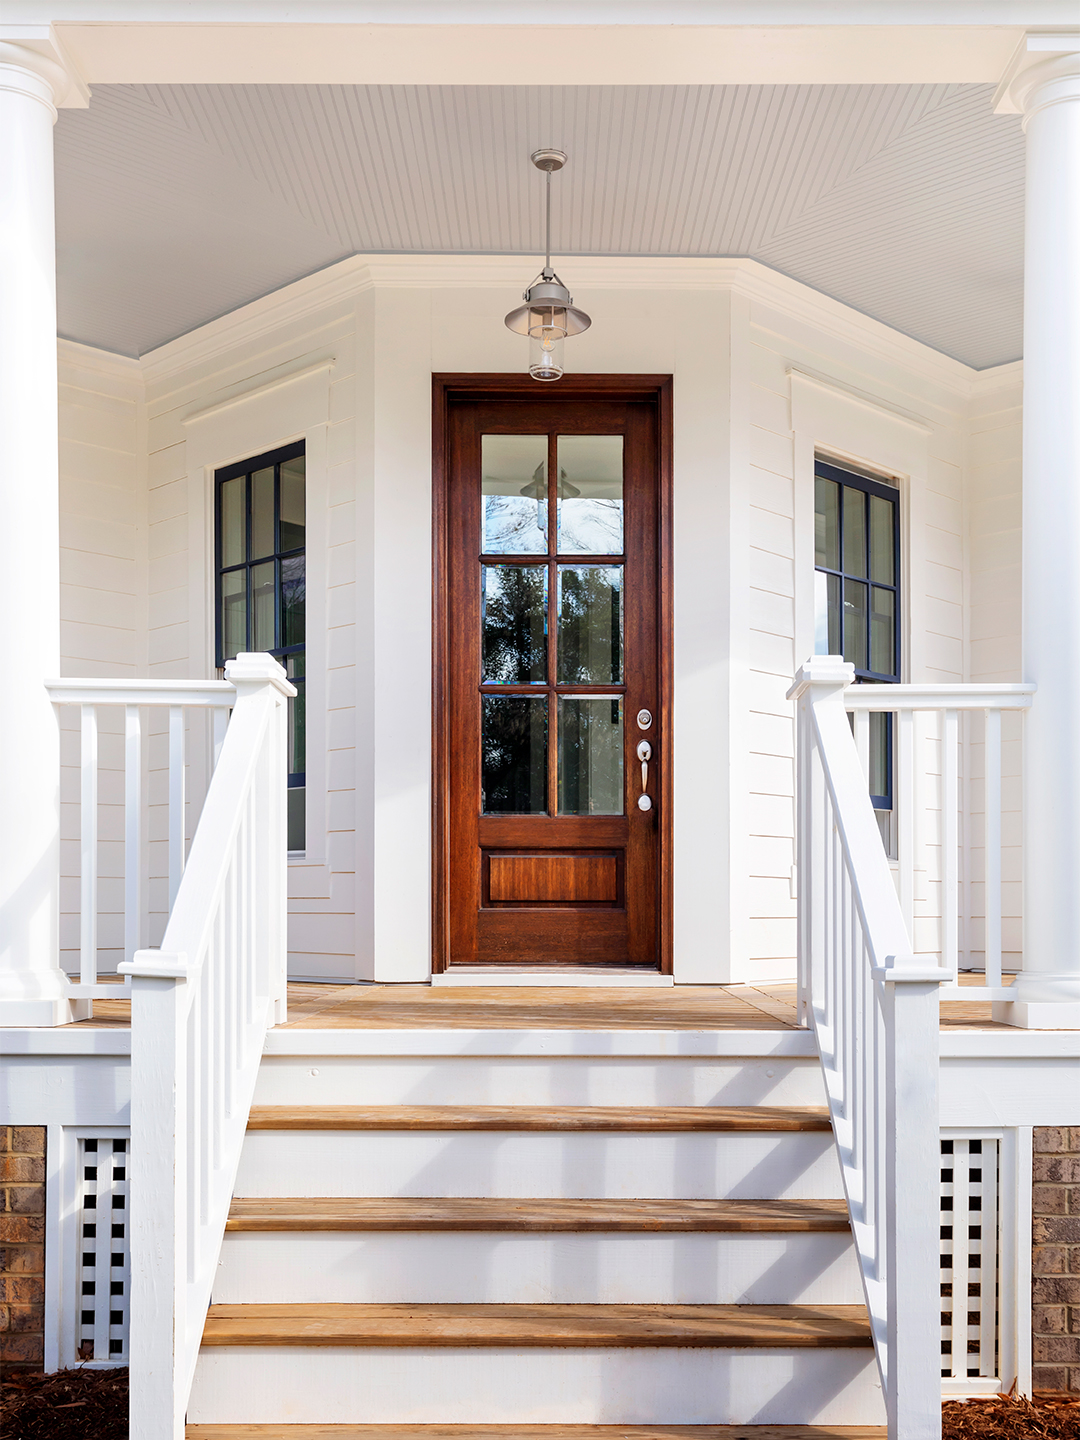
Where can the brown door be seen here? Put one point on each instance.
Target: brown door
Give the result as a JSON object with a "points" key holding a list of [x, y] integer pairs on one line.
{"points": [[555, 786]]}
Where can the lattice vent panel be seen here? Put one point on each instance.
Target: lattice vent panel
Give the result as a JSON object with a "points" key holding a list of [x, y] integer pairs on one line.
{"points": [[103, 1262], [970, 1249]]}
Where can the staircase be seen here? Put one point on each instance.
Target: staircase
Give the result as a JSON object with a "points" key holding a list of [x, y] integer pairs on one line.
{"points": [[506, 1245]]}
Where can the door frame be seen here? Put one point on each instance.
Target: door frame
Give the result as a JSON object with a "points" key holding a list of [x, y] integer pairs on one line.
{"points": [[446, 389]]}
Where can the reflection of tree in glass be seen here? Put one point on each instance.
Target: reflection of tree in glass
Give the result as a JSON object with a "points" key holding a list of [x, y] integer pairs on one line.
{"points": [[590, 526], [514, 525], [293, 595], [590, 757], [514, 749], [590, 625], [515, 624]]}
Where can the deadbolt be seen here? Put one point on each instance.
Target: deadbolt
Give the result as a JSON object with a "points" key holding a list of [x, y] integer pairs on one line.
{"points": [[644, 719]]}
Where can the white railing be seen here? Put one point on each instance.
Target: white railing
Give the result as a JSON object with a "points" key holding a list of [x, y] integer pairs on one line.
{"points": [[201, 1006], [874, 1007], [133, 801], [957, 808]]}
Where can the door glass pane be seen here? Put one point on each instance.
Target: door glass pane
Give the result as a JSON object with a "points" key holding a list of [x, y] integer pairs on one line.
{"points": [[855, 623], [590, 624], [882, 631], [513, 744], [882, 550], [233, 613], [262, 513], [234, 521], [590, 755], [513, 604], [513, 484], [292, 519], [292, 600], [590, 495], [826, 525], [262, 605], [854, 531]]}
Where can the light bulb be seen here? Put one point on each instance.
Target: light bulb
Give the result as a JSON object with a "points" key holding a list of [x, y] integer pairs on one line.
{"points": [[546, 354]]}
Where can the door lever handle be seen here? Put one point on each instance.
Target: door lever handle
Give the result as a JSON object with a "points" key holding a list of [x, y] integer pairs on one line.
{"points": [[644, 754]]}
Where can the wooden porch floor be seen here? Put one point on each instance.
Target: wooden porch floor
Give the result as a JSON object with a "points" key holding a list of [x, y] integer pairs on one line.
{"points": [[540, 1007]]}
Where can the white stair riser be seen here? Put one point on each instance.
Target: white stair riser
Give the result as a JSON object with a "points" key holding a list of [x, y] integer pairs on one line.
{"points": [[504, 1080], [540, 1386], [478, 1268], [582, 1164]]}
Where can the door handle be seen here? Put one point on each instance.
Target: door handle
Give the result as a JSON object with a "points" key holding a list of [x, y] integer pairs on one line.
{"points": [[644, 754]]}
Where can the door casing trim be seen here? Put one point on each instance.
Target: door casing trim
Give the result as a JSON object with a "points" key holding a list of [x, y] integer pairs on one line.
{"points": [[446, 389]]}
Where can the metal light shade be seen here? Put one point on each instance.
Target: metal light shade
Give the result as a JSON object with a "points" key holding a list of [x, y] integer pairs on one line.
{"points": [[548, 308]]}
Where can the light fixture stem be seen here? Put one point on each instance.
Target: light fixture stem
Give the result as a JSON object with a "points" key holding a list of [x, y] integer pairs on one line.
{"points": [[547, 265]]}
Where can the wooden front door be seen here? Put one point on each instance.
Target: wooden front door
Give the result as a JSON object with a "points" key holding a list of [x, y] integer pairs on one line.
{"points": [[553, 776]]}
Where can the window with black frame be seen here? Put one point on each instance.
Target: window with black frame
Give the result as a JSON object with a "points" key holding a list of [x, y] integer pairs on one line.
{"points": [[259, 535], [857, 599]]}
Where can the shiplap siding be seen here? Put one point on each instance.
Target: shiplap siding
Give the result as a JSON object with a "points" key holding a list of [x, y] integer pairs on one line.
{"points": [[102, 605]]}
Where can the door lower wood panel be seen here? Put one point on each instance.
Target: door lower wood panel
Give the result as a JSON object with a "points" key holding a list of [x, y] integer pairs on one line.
{"points": [[552, 758]]}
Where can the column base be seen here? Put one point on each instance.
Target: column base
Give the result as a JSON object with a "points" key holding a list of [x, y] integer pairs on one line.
{"points": [[43, 1013], [1038, 1014]]}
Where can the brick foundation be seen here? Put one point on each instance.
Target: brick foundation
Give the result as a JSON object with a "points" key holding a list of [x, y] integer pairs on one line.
{"points": [[1055, 1296], [22, 1245]]}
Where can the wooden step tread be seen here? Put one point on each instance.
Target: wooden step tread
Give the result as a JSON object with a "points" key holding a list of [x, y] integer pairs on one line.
{"points": [[537, 1432], [667, 1216], [563, 1326], [539, 1117]]}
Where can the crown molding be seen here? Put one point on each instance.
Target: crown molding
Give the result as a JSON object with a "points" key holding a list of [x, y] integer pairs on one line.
{"points": [[1000, 377], [340, 284], [123, 374]]}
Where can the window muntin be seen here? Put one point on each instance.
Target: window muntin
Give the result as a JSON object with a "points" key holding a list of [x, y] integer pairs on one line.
{"points": [[261, 585], [857, 594]]}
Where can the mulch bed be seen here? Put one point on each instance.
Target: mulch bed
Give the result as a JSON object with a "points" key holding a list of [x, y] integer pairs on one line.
{"points": [[93, 1405], [68, 1405], [1008, 1417]]}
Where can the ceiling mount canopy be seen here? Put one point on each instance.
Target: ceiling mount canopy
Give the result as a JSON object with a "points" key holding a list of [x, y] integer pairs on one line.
{"points": [[549, 314]]}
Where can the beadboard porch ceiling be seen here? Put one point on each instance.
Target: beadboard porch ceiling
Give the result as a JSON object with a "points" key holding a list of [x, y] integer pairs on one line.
{"points": [[176, 204]]}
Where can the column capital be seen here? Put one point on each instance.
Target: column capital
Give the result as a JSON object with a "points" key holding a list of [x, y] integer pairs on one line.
{"points": [[1044, 69], [33, 60]]}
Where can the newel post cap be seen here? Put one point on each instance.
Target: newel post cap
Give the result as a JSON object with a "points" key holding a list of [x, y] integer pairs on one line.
{"points": [[249, 671], [827, 671]]}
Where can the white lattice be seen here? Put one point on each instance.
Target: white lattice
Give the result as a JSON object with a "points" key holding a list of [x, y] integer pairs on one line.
{"points": [[102, 1267], [970, 1250]]}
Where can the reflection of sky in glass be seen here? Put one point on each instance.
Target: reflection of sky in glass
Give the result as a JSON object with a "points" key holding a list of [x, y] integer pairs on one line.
{"points": [[590, 494], [513, 484], [821, 613]]}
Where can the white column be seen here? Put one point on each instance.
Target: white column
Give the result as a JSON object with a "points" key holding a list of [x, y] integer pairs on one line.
{"points": [[1045, 89], [33, 990]]}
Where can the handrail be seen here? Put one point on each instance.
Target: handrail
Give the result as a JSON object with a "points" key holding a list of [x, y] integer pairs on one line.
{"points": [[201, 1006], [874, 1008], [126, 699]]}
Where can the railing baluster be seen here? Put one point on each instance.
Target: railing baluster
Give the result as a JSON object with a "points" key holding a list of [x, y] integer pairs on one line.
{"points": [[950, 845], [905, 817], [219, 724], [862, 739], [88, 847], [992, 905], [176, 800], [133, 858]]}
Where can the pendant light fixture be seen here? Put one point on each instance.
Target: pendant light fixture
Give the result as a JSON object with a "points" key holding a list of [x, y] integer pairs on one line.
{"points": [[548, 315]]}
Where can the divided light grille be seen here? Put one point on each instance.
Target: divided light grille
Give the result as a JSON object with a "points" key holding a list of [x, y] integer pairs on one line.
{"points": [[970, 1280], [103, 1269]]}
